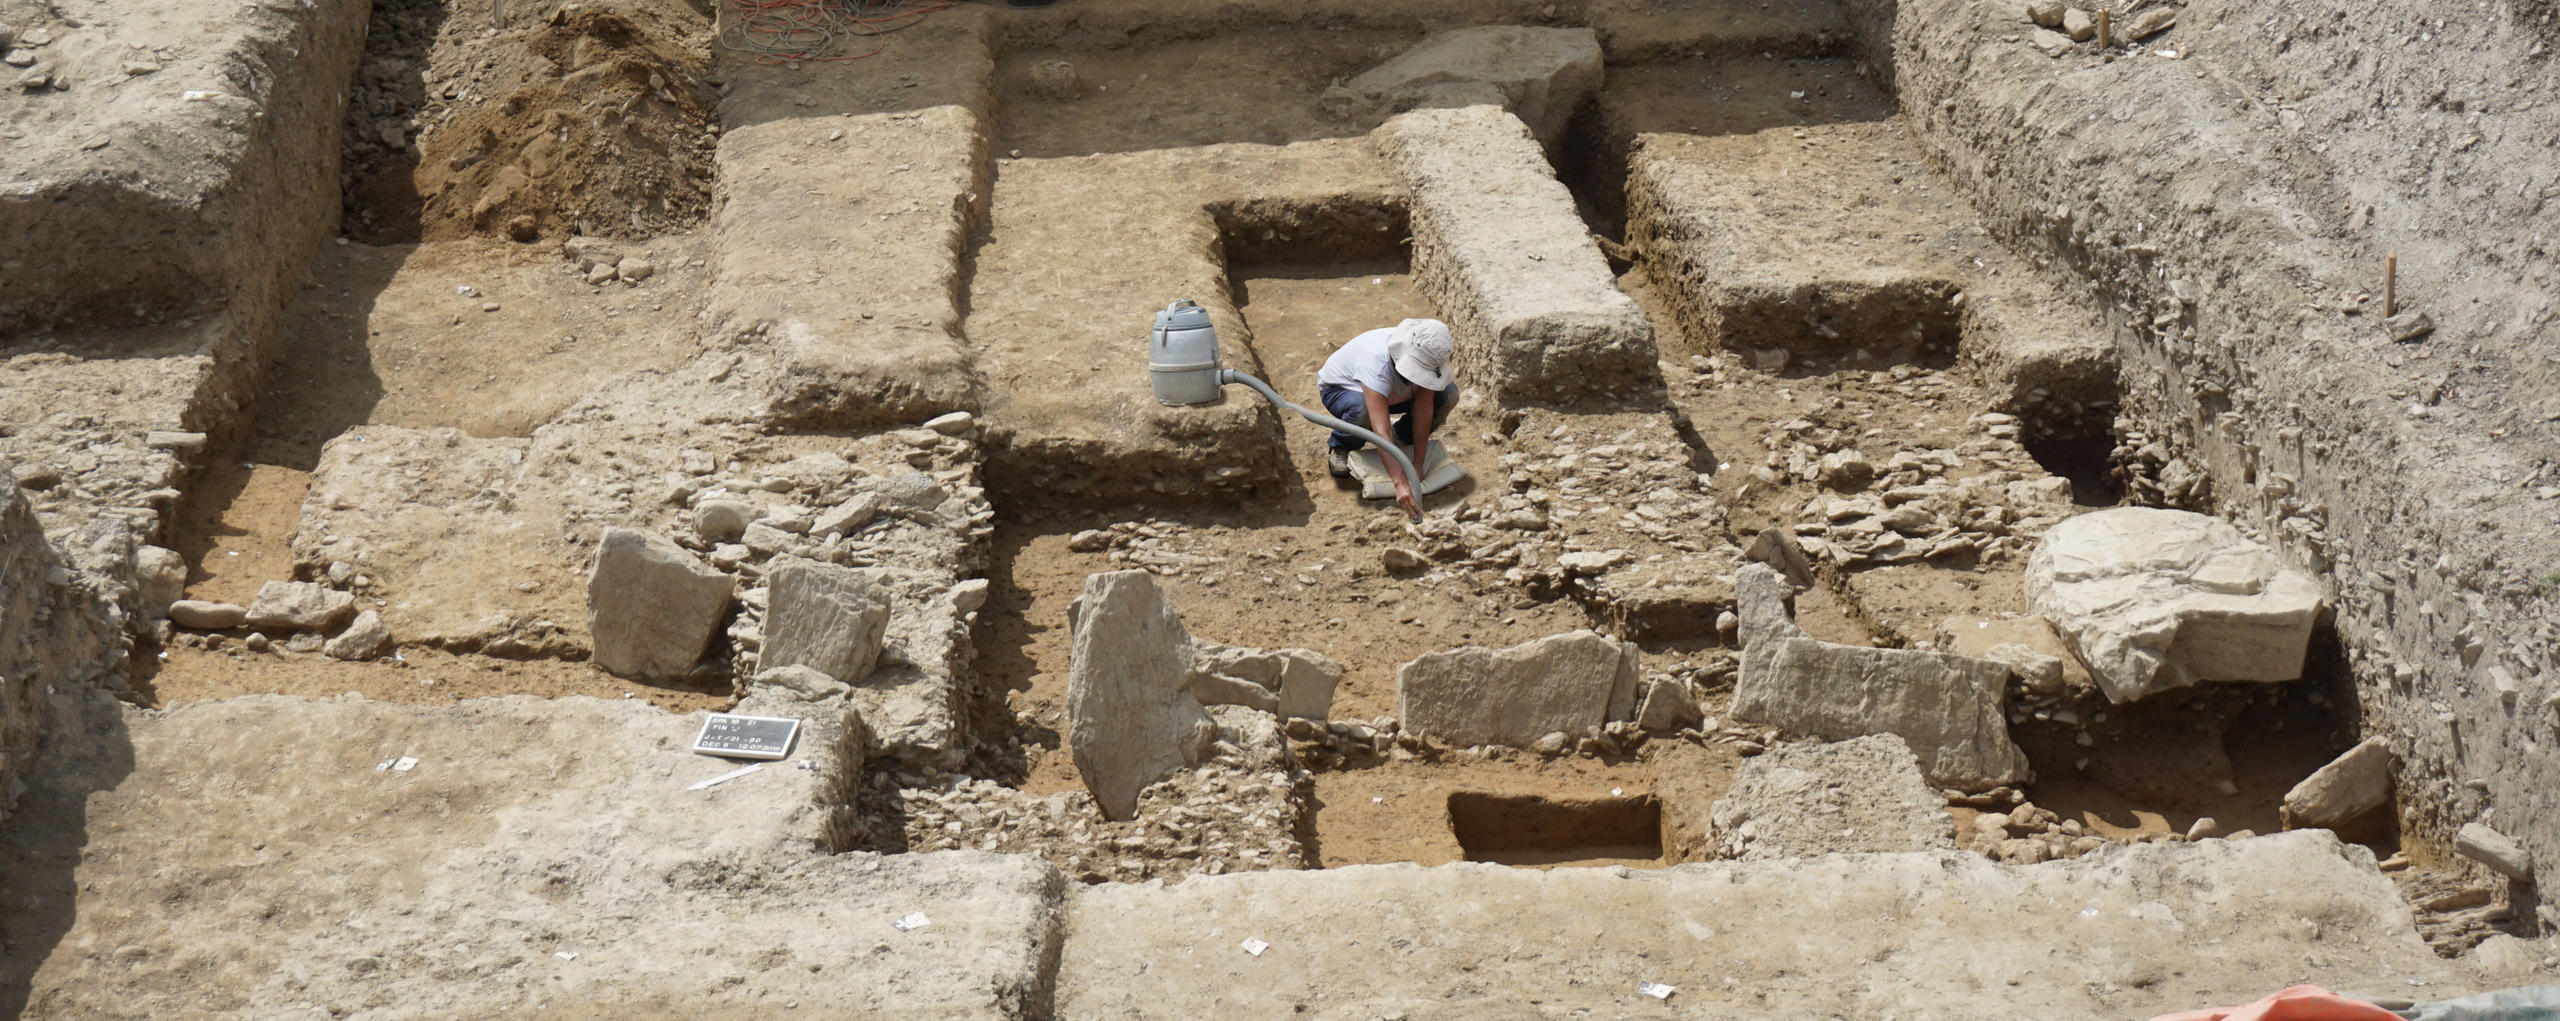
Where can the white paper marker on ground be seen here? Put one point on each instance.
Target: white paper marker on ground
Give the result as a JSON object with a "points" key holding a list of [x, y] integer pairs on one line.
{"points": [[1654, 989], [1254, 947], [911, 922]]}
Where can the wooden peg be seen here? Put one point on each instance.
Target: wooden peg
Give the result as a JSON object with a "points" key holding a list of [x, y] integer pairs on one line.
{"points": [[2390, 285]]}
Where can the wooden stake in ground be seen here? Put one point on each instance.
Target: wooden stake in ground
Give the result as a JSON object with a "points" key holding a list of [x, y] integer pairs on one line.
{"points": [[2106, 24], [2390, 285]]}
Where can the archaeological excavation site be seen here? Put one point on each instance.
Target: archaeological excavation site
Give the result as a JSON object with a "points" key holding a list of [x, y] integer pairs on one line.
{"points": [[727, 509]]}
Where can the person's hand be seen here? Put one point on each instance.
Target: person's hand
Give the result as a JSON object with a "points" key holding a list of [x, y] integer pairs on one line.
{"points": [[1404, 498]]}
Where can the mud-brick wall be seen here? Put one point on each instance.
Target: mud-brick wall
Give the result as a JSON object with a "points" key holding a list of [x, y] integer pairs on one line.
{"points": [[52, 632], [2233, 207], [210, 205]]}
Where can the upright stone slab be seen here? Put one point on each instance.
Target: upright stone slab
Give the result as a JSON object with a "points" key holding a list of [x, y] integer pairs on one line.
{"points": [[2156, 599], [823, 617], [1860, 795], [1130, 714], [1949, 708], [651, 606], [1475, 695], [1766, 604]]}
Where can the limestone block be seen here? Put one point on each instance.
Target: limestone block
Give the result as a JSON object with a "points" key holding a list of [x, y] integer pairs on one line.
{"points": [[1668, 706], [2026, 645], [1295, 683], [2496, 850], [1767, 605], [364, 639], [162, 575], [201, 615], [1541, 74], [1131, 717], [1863, 794], [2080, 25], [1475, 695], [2349, 786], [799, 683], [723, 520], [288, 606], [1765, 602], [2155, 599], [824, 617], [1949, 708], [651, 606]]}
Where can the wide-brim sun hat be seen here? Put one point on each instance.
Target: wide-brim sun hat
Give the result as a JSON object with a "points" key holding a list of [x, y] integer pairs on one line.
{"points": [[1421, 349]]}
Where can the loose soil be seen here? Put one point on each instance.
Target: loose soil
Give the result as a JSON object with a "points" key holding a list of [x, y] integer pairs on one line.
{"points": [[484, 118]]}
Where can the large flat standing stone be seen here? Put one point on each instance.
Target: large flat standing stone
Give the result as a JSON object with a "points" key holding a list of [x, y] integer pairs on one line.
{"points": [[1474, 695], [651, 606], [2156, 599], [1540, 74], [1863, 794], [1130, 714], [1500, 248], [824, 617], [1949, 708], [1937, 935]]}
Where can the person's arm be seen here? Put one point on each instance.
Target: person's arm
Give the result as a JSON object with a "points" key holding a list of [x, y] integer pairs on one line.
{"points": [[1378, 423], [1425, 404]]}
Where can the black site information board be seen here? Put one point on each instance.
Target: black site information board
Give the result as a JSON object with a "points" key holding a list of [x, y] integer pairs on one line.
{"points": [[746, 737]]}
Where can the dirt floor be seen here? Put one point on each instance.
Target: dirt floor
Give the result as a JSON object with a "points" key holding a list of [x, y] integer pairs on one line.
{"points": [[488, 337], [1184, 94], [1306, 574]]}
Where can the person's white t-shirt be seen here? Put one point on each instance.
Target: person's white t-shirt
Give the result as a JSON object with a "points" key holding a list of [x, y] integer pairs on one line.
{"points": [[1364, 362]]}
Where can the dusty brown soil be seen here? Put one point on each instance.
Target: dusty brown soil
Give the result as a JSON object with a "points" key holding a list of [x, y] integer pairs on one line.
{"points": [[422, 676], [1304, 574], [1399, 811], [404, 335], [1227, 89], [482, 118], [236, 529], [1701, 97]]}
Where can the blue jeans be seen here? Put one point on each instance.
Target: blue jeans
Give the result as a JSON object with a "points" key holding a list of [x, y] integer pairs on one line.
{"points": [[1350, 405]]}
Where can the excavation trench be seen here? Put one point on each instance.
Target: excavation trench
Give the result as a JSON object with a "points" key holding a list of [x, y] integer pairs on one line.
{"points": [[544, 322]]}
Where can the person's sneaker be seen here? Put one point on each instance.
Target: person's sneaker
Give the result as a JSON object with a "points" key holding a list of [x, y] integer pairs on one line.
{"points": [[1338, 462]]}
